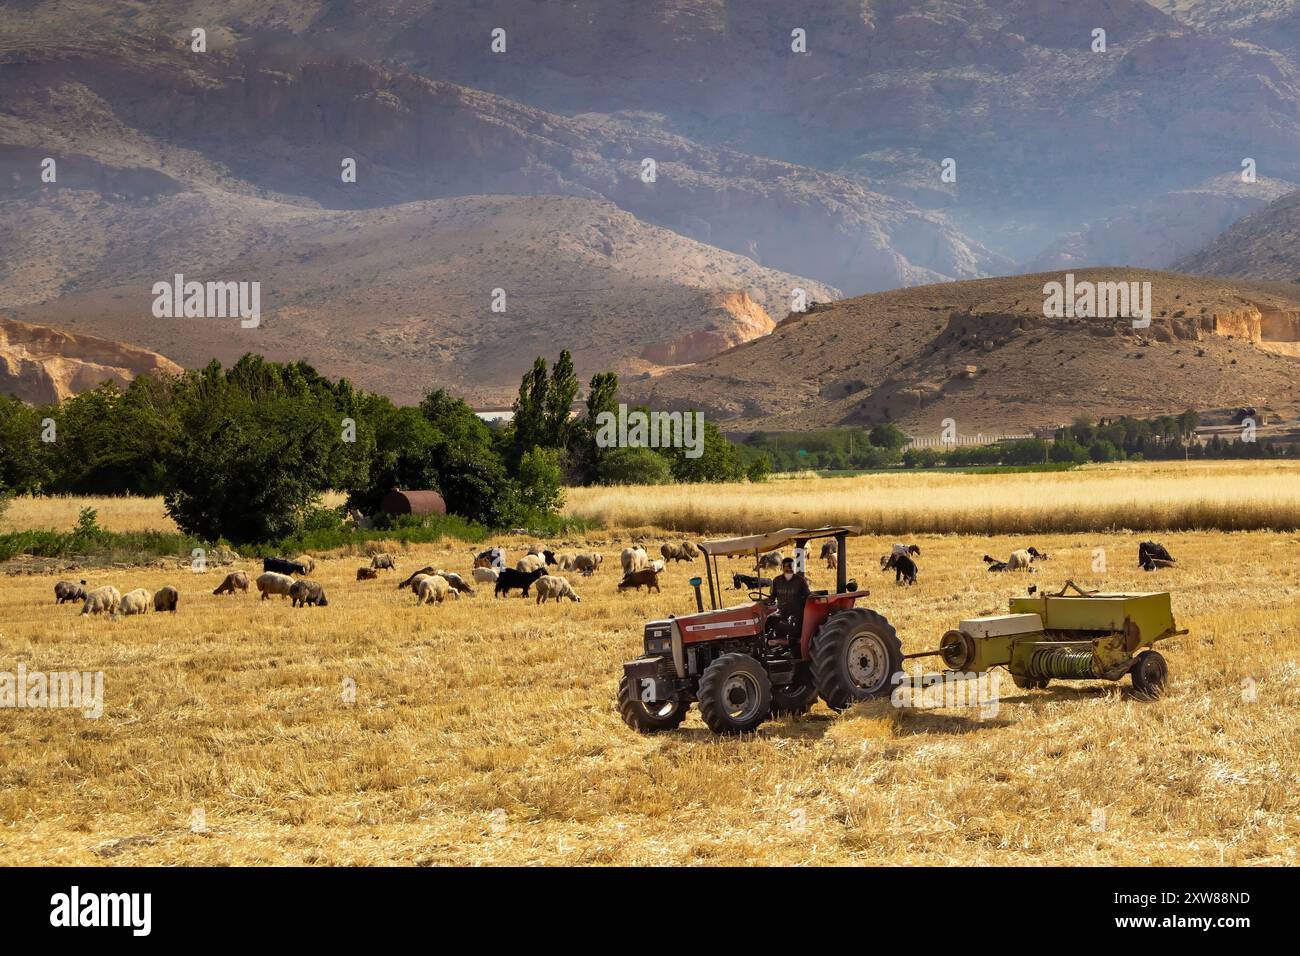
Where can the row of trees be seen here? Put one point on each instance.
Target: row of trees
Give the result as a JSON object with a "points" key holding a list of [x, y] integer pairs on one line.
{"points": [[246, 453]]}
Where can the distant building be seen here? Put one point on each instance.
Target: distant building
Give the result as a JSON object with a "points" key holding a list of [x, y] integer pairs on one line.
{"points": [[413, 503]]}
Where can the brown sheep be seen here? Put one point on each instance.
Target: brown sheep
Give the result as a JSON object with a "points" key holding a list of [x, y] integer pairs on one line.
{"points": [[367, 574], [67, 591], [165, 598], [384, 562], [304, 592], [646, 577], [235, 581]]}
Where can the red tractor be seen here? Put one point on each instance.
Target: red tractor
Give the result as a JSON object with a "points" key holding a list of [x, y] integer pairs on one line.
{"points": [[742, 666]]}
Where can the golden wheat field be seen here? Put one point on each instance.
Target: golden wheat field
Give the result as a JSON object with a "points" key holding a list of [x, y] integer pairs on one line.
{"points": [[485, 731], [1228, 496]]}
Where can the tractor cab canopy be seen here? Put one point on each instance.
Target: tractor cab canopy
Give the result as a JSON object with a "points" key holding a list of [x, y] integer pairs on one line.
{"points": [[757, 544], [762, 543]]}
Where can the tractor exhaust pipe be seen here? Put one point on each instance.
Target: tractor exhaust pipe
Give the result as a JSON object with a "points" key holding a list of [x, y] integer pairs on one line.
{"points": [[699, 601]]}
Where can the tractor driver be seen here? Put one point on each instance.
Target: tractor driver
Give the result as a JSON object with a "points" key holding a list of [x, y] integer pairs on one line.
{"points": [[789, 593]]}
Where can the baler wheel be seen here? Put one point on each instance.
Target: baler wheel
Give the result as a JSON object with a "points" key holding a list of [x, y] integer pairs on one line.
{"points": [[646, 718], [1030, 683], [1150, 675], [855, 656]]}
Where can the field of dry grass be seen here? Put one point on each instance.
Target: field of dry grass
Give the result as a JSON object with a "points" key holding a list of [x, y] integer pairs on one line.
{"points": [[1154, 496], [485, 731]]}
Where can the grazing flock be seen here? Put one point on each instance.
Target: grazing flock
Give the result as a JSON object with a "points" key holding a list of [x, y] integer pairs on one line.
{"points": [[531, 575]]}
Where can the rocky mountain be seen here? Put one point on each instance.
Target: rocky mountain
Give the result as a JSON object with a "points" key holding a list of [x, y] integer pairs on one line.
{"points": [[399, 298], [1264, 246], [43, 365], [985, 354]]}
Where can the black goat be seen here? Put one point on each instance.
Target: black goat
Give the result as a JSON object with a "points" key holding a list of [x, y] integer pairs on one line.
{"points": [[281, 566], [1038, 555], [995, 565], [904, 568], [511, 578], [1152, 556], [739, 581]]}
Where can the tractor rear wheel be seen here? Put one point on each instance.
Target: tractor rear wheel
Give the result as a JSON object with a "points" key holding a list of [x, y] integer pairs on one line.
{"points": [[855, 656], [735, 694], [648, 718], [1149, 674]]}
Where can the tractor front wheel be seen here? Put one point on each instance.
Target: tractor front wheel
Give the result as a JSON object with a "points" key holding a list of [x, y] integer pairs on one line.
{"points": [[1149, 674], [735, 694], [855, 656], [648, 718]]}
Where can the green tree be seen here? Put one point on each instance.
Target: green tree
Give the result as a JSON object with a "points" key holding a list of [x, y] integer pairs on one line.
{"points": [[633, 466], [541, 485], [887, 435]]}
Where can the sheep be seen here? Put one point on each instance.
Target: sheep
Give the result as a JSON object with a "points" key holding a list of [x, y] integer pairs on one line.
{"points": [[830, 553], [512, 578], [565, 561], [486, 559], [657, 565], [550, 586], [486, 575], [587, 563], [384, 562], [307, 561], [645, 577], [304, 592], [904, 568], [67, 591], [235, 581], [770, 560], [165, 598], [548, 557], [634, 559], [1020, 561], [456, 581], [1152, 555], [101, 600], [271, 582], [367, 574], [739, 581], [530, 562], [281, 566], [427, 570], [434, 588], [134, 602], [686, 551]]}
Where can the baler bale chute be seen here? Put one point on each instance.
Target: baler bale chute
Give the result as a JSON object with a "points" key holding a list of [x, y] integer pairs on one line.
{"points": [[1074, 634]]}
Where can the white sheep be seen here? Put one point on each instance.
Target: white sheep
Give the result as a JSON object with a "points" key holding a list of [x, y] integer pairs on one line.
{"points": [[634, 559], [1020, 561], [307, 561], [587, 563], [434, 587], [530, 562], [486, 575], [552, 586], [657, 565], [102, 600], [135, 602], [272, 582]]}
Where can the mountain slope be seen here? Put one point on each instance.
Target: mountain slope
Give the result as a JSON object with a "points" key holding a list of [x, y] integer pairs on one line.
{"points": [[908, 356], [398, 299], [1262, 246]]}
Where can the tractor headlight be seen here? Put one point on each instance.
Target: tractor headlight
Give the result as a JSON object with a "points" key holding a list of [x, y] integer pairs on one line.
{"points": [[658, 640], [957, 648]]}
